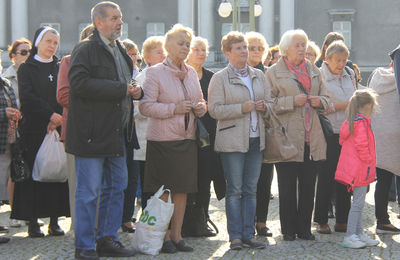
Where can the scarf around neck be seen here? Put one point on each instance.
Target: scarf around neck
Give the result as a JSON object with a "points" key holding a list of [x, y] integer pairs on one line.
{"points": [[244, 72], [300, 72]]}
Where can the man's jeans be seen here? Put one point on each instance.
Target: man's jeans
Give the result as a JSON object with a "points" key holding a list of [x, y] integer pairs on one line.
{"points": [[111, 174], [242, 171]]}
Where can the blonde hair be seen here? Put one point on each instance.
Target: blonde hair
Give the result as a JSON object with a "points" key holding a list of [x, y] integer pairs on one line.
{"points": [[86, 32], [337, 47], [315, 48], [231, 38], [360, 98], [256, 36], [287, 39], [177, 28], [150, 44], [199, 41]]}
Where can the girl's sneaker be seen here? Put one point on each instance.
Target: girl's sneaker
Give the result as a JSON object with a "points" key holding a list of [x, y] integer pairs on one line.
{"points": [[353, 241], [367, 240]]}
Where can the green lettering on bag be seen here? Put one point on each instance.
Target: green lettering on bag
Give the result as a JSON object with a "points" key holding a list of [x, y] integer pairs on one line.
{"points": [[144, 216], [152, 223]]}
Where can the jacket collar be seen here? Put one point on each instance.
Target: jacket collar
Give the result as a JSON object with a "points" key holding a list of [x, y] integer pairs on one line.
{"points": [[328, 75], [10, 72], [235, 80], [283, 71]]}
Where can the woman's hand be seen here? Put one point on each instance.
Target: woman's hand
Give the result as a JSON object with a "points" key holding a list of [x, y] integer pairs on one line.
{"points": [[13, 113], [248, 106], [260, 105], [51, 126], [199, 108], [315, 101], [56, 119], [183, 107], [300, 100]]}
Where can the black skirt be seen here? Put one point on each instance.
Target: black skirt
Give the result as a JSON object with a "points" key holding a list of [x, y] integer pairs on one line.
{"points": [[172, 164], [34, 199]]}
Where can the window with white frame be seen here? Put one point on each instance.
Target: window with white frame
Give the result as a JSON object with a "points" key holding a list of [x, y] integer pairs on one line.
{"points": [[155, 29], [343, 27]]}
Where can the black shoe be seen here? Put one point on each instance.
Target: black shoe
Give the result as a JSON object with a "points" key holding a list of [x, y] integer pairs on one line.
{"points": [[289, 237], [127, 229], [3, 229], [387, 229], [263, 231], [108, 247], [307, 236], [4, 240], [55, 230], [236, 246], [168, 247], [86, 254], [255, 244], [181, 246], [34, 230]]}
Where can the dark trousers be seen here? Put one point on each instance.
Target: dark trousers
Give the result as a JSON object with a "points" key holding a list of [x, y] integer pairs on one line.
{"points": [[130, 191], [295, 213], [384, 181], [326, 180], [264, 191], [145, 195]]}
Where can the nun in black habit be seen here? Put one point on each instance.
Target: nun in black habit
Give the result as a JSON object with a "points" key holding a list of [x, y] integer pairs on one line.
{"points": [[37, 84]]}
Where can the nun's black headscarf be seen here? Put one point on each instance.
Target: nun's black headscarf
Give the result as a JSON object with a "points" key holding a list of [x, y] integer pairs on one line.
{"points": [[39, 36]]}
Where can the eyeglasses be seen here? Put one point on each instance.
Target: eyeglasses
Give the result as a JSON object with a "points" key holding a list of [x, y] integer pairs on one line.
{"points": [[139, 61], [254, 48], [23, 52]]}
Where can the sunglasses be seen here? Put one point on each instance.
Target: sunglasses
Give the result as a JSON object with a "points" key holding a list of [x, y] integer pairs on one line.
{"points": [[23, 52], [254, 48]]}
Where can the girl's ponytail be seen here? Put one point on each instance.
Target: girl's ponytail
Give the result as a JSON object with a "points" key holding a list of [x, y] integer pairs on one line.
{"points": [[352, 110]]}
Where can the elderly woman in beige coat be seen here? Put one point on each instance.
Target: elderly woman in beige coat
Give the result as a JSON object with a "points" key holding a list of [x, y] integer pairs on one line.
{"points": [[236, 98], [298, 112], [386, 126]]}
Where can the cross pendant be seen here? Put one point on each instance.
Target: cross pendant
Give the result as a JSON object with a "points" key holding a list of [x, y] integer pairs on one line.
{"points": [[50, 77]]}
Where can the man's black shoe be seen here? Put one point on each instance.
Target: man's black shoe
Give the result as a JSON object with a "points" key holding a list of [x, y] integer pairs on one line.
{"points": [[4, 240], [108, 247], [86, 254], [55, 230]]}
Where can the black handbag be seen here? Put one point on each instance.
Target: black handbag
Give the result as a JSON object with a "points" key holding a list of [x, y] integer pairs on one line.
{"points": [[19, 168], [326, 125], [202, 135]]}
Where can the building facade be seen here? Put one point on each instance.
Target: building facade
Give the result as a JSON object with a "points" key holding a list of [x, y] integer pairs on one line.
{"points": [[369, 26]]}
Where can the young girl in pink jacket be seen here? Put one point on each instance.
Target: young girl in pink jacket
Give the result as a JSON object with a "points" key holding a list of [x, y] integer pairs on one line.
{"points": [[357, 163]]}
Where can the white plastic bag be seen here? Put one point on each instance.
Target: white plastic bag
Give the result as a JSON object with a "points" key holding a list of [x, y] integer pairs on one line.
{"points": [[51, 161], [153, 224]]}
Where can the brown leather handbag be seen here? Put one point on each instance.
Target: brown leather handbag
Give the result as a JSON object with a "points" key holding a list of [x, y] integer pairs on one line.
{"points": [[278, 147]]}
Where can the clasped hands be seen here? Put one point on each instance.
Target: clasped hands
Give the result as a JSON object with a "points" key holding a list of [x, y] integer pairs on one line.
{"points": [[301, 99], [134, 91], [187, 105], [14, 115], [250, 105]]}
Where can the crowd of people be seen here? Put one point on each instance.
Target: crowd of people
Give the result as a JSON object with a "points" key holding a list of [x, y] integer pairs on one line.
{"points": [[128, 127]]}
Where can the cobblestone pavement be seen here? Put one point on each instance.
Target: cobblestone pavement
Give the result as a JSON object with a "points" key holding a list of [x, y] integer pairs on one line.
{"points": [[325, 246]]}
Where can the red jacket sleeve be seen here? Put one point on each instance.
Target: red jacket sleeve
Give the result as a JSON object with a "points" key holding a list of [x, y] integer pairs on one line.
{"points": [[62, 82]]}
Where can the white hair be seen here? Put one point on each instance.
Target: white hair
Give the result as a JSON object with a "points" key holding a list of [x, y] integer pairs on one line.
{"points": [[287, 39], [199, 41]]}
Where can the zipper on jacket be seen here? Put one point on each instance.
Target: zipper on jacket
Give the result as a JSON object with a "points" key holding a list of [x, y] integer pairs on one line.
{"points": [[367, 173]]}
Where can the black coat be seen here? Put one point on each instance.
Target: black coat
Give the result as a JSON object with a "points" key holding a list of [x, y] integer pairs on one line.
{"points": [[94, 114]]}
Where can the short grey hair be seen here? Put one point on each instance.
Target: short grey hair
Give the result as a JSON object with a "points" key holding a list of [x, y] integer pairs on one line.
{"points": [[99, 10], [287, 39], [337, 47]]}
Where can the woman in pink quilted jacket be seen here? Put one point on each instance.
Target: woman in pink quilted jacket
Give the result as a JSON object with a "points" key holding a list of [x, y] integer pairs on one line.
{"points": [[357, 163]]}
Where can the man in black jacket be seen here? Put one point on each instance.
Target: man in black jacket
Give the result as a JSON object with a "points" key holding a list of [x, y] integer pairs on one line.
{"points": [[100, 121]]}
